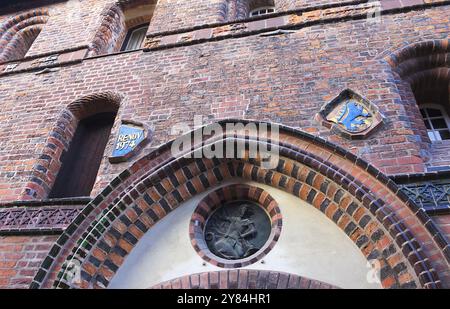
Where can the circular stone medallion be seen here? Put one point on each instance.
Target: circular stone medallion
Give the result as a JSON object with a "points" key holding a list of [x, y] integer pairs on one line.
{"points": [[237, 230]]}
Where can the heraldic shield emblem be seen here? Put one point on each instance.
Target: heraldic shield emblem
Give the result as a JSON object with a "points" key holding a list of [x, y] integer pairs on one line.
{"points": [[350, 115]]}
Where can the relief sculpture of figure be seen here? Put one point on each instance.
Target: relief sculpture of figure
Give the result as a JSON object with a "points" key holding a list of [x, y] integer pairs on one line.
{"points": [[231, 232]]}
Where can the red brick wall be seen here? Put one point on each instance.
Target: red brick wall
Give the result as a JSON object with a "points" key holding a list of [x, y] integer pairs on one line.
{"points": [[443, 222], [284, 78], [280, 78], [185, 14], [440, 154], [20, 257], [70, 25]]}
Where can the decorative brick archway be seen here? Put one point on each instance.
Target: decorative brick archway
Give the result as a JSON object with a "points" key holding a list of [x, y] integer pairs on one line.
{"points": [[364, 203], [243, 279], [18, 33]]}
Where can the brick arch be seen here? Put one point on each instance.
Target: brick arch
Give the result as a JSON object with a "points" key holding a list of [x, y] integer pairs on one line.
{"points": [[19, 32], [364, 203], [243, 279], [114, 24], [415, 67], [95, 103], [409, 55], [432, 86], [47, 165], [110, 33]]}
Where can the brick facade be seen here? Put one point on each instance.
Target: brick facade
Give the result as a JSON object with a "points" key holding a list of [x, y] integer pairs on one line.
{"points": [[20, 258], [243, 279], [206, 57]]}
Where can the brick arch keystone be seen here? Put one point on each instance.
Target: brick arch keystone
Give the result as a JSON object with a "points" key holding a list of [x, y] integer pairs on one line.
{"points": [[360, 200]]}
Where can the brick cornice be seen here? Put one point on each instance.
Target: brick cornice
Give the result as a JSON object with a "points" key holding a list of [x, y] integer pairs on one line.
{"points": [[72, 201], [276, 24], [283, 21]]}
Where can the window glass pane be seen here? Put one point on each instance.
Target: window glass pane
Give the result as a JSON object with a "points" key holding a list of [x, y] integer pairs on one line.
{"points": [[439, 123], [422, 111], [445, 135], [136, 38], [433, 112], [432, 136], [436, 121], [262, 11]]}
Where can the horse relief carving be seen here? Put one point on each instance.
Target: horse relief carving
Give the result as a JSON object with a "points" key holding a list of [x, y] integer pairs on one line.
{"points": [[237, 230]]}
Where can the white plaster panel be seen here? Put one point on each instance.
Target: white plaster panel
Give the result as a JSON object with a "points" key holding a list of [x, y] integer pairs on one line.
{"points": [[310, 245]]}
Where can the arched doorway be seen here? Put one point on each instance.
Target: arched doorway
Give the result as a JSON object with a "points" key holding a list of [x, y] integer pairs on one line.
{"points": [[360, 200]]}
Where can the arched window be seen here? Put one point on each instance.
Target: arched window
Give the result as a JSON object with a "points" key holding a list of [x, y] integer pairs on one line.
{"points": [[436, 121], [424, 74], [80, 163], [135, 37], [124, 26], [18, 33], [262, 11]]}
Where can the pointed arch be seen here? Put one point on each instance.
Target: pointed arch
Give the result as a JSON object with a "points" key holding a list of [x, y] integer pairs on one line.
{"points": [[48, 164], [19, 32], [359, 199]]}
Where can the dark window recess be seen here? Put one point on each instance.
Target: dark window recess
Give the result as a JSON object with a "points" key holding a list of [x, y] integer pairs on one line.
{"points": [[81, 162]]}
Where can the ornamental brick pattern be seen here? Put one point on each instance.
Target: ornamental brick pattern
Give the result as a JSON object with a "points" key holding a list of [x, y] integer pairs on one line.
{"points": [[36, 220], [368, 207], [243, 279]]}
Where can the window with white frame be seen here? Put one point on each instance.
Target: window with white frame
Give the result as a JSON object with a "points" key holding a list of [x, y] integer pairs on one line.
{"points": [[135, 37], [262, 11], [437, 122]]}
